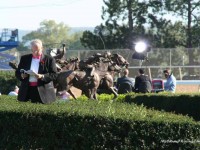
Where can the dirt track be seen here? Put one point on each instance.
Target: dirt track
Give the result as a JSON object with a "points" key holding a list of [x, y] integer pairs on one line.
{"points": [[179, 89], [188, 88]]}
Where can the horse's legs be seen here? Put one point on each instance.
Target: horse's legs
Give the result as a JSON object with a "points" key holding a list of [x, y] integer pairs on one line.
{"points": [[95, 95], [88, 93], [91, 94], [114, 92], [72, 94]]}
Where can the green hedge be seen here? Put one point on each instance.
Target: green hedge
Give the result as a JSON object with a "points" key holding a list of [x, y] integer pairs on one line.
{"points": [[84, 124], [186, 104], [7, 81]]}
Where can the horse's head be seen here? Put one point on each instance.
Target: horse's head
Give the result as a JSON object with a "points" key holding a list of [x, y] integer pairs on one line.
{"points": [[74, 63], [120, 60], [107, 54], [114, 67], [71, 64]]}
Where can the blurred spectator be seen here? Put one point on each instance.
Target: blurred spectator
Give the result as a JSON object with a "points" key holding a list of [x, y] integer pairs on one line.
{"points": [[170, 84], [124, 84], [142, 83], [14, 91]]}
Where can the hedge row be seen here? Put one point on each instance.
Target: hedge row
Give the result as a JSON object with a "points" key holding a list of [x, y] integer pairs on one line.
{"points": [[186, 104], [84, 124], [7, 81]]}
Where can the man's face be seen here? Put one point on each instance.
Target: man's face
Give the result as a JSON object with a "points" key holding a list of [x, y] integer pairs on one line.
{"points": [[36, 50], [166, 74]]}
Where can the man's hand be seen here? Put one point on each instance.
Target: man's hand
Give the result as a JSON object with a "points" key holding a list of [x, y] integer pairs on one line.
{"points": [[24, 75], [39, 76]]}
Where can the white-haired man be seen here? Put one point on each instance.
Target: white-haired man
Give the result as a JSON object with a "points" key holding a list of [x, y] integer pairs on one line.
{"points": [[36, 72]]}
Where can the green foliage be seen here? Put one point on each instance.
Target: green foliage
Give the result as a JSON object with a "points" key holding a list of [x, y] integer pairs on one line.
{"points": [[105, 97], [128, 21], [49, 33], [139, 22], [186, 104], [189, 11], [88, 39], [181, 8], [74, 41], [52, 34], [7, 80], [92, 125]]}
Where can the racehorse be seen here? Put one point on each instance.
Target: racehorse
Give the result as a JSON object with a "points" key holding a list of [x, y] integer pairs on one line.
{"points": [[71, 64], [78, 79], [106, 66], [70, 76], [119, 60], [106, 71]]}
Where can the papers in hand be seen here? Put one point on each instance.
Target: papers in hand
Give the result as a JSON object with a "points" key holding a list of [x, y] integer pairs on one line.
{"points": [[30, 72]]}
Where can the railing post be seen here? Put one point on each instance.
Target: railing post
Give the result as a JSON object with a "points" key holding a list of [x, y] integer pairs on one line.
{"points": [[149, 71], [180, 73]]}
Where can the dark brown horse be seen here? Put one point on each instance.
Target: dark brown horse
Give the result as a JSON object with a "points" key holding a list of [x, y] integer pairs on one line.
{"points": [[71, 64], [107, 71], [78, 79], [119, 60], [106, 66], [70, 76]]}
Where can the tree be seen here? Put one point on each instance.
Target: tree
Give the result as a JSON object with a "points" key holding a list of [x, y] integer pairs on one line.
{"points": [[50, 33], [54, 35], [127, 21], [105, 37], [74, 41], [173, 35], [188, 10]]}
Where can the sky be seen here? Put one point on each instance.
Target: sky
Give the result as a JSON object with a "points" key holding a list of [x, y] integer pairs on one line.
{"points": [[28, 14]]}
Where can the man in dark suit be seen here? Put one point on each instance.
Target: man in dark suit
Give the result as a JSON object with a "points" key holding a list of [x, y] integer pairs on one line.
{"points": [[36, 72], [142, 83], [124, 84]]}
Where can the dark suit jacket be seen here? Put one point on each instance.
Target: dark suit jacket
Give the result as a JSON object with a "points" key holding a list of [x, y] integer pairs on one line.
{"points": [[143, 84], [47, 67], [124, 79]]}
